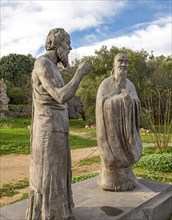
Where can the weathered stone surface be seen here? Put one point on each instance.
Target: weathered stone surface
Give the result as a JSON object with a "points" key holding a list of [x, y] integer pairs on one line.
{"points": [[75, 108], [93, 203], [50, 195], [117, 124], [4, 100]]}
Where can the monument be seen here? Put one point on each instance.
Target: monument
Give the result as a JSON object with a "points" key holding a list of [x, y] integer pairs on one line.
{"points": [[50, 195], [117, 124]]}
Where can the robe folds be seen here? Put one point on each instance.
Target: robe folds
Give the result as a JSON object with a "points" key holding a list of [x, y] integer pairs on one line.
{"points": [[50, 194], [117, 124]]}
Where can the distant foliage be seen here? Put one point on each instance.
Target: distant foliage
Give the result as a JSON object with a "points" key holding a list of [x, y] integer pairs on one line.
{"points": [[17, 95], [16, 70]]}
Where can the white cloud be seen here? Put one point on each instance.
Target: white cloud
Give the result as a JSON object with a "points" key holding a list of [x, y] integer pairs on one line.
{"points": [[157, 37], [25, 24]]}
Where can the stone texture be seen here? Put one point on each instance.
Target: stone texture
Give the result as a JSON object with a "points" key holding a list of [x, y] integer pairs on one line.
{"points": [[93, 203], [50, 195], [75, 108], [4, 100], [117, 128]]}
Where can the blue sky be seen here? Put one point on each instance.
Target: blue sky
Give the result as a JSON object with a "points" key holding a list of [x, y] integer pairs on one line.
{"points": [[135, 24]]}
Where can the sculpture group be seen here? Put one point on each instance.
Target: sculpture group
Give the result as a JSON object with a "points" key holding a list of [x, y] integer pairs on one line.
{"points": [[117, 123]]}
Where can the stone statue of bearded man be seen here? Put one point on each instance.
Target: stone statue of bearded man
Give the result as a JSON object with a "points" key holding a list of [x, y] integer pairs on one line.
{"points": [[50, 194], [117, 124]]}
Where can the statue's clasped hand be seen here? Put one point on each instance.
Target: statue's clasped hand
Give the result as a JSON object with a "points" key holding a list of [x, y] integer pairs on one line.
{"points": [[125, 95]]}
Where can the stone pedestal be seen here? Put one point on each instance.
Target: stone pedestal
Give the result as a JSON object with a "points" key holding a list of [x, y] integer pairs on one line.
{"points": [[149, 200]]}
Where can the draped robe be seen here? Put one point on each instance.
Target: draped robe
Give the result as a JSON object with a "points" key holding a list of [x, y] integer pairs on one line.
{"points": [[117, 125]]}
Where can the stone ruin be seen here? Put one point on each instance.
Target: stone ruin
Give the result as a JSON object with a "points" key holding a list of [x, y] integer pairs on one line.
{"points": [[4, 100]]}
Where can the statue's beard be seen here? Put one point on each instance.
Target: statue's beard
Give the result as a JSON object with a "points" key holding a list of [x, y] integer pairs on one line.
{"points": [[121, 79], [63, 57]]}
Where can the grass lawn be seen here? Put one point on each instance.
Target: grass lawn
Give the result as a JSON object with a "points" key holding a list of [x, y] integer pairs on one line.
{"points": [[15, 135]]}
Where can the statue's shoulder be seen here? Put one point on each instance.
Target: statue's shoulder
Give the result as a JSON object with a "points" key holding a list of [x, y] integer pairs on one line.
{"points": [[105, 86], [42, 60], [107, 81], [42, 65], [130, 84]]}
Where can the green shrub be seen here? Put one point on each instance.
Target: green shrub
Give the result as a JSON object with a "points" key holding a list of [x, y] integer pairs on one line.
{"points": [[17, 95], [157, 177], [156, 162], [153, 150]]}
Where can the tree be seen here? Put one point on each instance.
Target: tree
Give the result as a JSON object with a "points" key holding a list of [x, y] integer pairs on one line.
{"points": [[102, 64], [160, 72], [16, 70], [158, 114], [158, 98]]}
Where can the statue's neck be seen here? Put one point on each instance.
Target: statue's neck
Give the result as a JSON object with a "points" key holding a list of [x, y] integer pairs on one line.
{"points": [[52, 56]]}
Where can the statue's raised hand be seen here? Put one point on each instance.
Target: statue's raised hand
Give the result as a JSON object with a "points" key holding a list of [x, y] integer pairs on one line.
{"points": [[84, 68]]}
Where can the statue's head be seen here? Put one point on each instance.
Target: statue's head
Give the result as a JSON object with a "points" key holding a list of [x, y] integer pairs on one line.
{"points": [[120, 65], [59, 40]]}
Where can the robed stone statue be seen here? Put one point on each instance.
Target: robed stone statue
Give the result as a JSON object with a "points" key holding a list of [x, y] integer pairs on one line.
{"points": [[117, 128], [50, 195]]}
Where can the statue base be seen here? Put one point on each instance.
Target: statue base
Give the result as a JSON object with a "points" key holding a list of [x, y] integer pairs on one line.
{"points": [[148, 200], [117, 179]]}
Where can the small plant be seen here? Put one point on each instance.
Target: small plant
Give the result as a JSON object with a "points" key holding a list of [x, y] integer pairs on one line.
{"points": [[153, 150], [158, 115], [156, 162], [155, 177]]}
